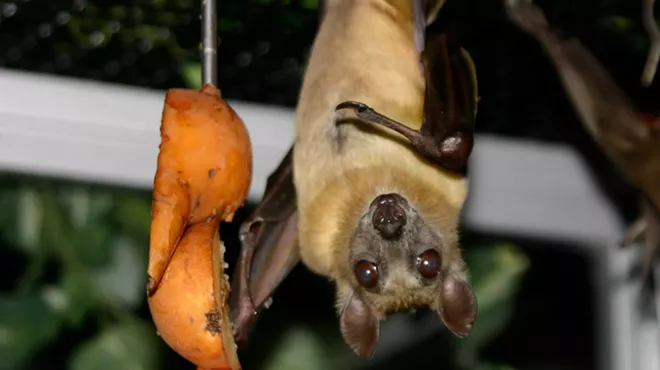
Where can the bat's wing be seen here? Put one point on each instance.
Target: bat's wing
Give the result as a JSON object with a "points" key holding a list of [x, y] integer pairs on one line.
{"points": [[450, 103], [269, 250], [630, 141]]}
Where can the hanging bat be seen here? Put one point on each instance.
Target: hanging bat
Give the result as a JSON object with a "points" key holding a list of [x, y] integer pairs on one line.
{"points": [[384, 130], [269, 250], [629, 138]]}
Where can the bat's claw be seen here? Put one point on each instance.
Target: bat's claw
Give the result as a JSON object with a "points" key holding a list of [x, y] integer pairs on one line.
{"points": [[450, 151], [242, 326], [357, 106]]}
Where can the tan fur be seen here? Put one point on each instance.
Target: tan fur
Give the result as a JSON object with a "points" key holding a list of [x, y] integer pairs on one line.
{"points": [[364, 51]]}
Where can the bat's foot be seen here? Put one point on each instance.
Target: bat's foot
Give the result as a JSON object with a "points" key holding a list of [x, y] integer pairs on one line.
{"points": [[367, 114], [242, 326], [449, 151]]}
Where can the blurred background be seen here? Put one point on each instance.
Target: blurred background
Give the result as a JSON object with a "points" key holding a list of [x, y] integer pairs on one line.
{"points": [[73, 253]]}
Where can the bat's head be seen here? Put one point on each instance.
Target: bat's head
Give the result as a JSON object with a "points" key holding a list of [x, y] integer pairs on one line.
{"points": [[397, 261]]}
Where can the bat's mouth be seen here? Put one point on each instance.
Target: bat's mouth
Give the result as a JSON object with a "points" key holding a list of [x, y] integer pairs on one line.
{"points": [[389, 214]]}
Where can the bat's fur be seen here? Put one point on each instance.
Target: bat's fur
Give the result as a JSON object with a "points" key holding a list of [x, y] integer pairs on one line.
{"points": [[365, 51]]}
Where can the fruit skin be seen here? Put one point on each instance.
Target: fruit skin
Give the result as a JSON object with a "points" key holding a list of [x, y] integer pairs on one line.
{"points": [[204, 170], [185, 299], [203, 176]]}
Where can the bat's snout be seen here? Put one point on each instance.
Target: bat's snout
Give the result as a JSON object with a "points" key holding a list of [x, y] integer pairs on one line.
{"points": [[389, 216]]}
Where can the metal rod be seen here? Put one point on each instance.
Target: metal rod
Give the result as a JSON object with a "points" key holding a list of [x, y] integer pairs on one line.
{"points": [[209, 42]]}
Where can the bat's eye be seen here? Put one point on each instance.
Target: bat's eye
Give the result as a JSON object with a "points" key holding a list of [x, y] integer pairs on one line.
{"points": [[428, 263], [366, 273]]}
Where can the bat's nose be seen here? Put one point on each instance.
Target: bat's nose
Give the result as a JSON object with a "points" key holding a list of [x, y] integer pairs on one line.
{"points": [[389, 217]]}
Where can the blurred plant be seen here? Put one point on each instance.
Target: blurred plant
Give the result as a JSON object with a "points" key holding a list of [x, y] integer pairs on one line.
{"points": [[496, 272], [86, 258]]}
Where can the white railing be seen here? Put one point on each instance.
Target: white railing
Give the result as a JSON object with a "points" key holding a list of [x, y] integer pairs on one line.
{"points": [[108, 133]]}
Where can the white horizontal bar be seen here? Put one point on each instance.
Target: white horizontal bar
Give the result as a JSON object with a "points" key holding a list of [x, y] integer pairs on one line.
{"points": [[536, 189], [107, 133]]}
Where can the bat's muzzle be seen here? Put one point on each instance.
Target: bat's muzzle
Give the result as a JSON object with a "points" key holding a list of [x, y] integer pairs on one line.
{"points": [[389, 216]]}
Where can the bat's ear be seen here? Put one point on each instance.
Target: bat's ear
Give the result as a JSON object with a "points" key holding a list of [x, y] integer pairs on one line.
{"points": [[359, 326], [457, 305]]}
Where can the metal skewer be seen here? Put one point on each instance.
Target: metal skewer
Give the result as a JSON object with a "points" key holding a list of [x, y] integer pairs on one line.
{"points": [[209, 42]]}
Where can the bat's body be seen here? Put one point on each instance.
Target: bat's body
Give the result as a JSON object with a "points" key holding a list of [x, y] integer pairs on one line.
{"points": [[347, 174], [383, 133], [340, 169]]}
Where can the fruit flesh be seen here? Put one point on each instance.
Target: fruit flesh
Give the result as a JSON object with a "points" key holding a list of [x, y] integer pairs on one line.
{"points": [[204, 170]]}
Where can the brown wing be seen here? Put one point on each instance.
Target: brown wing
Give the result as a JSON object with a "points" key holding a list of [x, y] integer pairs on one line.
{"points": [[269, 250], [447, 134], [450, 101], [622, 133]]}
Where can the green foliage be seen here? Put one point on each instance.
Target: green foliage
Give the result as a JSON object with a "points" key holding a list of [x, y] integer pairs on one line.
{"points": [[301, 349], [496, 275], [29, 322], [132, 346], [192, 74], [101, 273]]}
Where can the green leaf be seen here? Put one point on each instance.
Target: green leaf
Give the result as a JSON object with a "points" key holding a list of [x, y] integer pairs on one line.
{"points": [[27, 324], [133, 214], [300, 349], [58, 232], [123, 280], [91, 214], [30, 220], [93, 243], [22, 219], [192, 75], [133, 345], [309, 4], [496, 275], [79, 203], [78, 296], [617, 23]]}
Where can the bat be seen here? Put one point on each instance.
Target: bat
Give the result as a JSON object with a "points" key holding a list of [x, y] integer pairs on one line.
{"points": [[629, 138], [269, 251], [384, 130], [376, 216]]}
